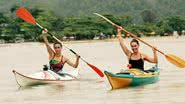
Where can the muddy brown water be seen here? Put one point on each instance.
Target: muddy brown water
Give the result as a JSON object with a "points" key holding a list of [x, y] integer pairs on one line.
{"points": [[28, 58]]}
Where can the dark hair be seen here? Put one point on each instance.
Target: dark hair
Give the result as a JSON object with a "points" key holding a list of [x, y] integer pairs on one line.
{"points": [[134, 40], [57, 43]]}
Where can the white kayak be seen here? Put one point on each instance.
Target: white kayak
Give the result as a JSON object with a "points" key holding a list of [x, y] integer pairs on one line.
{"points": [[44, 77]]}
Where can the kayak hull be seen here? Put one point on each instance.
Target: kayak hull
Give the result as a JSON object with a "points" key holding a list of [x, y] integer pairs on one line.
{"points": [[43, 77], [132, 77]]}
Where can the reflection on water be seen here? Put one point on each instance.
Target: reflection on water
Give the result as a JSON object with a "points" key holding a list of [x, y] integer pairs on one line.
{"points": [[90, 88], [53, 87]]}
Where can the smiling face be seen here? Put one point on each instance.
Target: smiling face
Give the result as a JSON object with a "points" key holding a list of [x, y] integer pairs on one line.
{"points": [[134, 45], [57, 47]]}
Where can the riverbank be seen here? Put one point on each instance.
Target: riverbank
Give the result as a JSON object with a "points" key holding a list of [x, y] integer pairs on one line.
{"points": [[159, 38]]}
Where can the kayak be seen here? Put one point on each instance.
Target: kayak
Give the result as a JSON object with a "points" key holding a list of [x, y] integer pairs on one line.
{"points": [[132, 77], [44, 77]]}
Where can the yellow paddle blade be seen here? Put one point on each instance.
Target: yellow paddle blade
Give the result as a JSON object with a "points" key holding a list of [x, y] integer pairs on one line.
{"points": [[175, 60]]}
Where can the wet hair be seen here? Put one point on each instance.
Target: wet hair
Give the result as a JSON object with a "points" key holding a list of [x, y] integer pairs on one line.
{"points": [[134, 40], [57, 43]]}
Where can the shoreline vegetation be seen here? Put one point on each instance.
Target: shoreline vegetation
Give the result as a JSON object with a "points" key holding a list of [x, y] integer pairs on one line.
{"points": [[86, 27]]}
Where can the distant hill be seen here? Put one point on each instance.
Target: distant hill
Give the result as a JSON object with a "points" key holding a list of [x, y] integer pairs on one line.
{"points": [[133, 8]]}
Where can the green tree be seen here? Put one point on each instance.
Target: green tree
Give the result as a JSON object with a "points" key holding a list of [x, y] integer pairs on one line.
{"points": [[170, 24], [148, 16]]}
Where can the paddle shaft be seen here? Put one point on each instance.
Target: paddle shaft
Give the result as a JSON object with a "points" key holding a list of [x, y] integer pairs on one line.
{"points": [[134, 36], [27, 16], [92, 66], [60, 41], [171, 58]]}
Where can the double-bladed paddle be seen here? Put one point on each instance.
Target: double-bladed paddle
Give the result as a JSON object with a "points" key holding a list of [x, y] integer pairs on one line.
{"points": [[171, 58], [27, 16]]}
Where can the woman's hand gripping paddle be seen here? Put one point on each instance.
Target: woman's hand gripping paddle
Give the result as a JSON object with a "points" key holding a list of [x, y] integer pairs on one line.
{"points": [[171, 58], [27, 16]]}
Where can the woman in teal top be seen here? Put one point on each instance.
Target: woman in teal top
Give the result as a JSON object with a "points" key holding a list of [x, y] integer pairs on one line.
{"points": [[57, 60]]}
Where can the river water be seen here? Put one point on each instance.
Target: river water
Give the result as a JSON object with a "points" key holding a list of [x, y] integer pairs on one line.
{"points": [[29, 58]]}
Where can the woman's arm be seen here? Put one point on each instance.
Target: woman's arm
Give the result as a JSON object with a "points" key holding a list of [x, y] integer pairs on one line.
{"points": [[121, 41], [152, 60], [74, 65], [49, 49]]}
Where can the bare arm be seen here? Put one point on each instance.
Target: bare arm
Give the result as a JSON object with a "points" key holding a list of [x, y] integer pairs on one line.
{"points": [[123, 46], [152, 60], [49, 49], [74, 65]]}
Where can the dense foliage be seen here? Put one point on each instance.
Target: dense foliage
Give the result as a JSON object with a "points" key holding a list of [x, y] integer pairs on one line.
{"points": [[75, 18]]}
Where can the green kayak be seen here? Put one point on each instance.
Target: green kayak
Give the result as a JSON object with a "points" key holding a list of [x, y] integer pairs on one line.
{"points": [[133, 77]]}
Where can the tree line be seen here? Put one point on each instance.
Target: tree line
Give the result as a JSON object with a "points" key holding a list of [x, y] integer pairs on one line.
{"points": [[83, 26]]}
